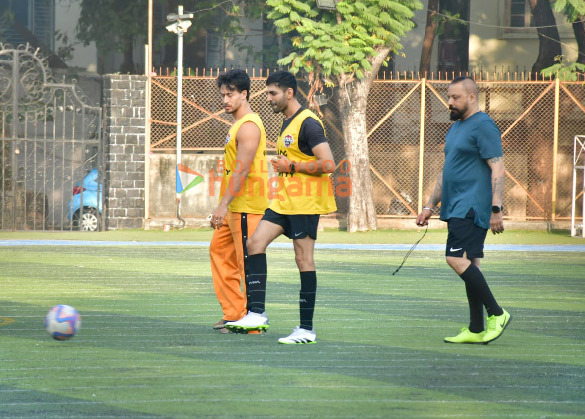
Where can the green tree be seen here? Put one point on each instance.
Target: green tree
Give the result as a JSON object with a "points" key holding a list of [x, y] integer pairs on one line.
{"points": [[444, 23], [345, 48], [549, 41], [116, 25], [574, 10]]}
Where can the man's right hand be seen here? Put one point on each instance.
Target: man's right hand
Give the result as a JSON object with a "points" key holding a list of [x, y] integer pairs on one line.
{"points": [[423, 218]]}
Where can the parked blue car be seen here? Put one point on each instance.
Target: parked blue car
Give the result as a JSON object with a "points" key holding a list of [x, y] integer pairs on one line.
{"points": [[88, 218]]}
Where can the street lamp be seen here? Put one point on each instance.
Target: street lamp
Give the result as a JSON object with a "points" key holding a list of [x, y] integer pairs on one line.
{"points": [[327, 4], [180, 26]]}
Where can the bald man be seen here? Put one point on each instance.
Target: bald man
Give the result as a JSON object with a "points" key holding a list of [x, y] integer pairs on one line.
{"points": [[470, 190]]}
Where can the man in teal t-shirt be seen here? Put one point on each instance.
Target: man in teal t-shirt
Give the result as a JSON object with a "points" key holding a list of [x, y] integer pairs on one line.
{"points": [[470, 190], [466, 176]]}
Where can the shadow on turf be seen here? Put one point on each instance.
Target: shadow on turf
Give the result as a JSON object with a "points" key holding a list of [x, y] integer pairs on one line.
{"points": [[17, 402]]}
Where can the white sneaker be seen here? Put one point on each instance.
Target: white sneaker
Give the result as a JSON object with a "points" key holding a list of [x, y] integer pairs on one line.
{"points": [[251, 321], [300, 336]]}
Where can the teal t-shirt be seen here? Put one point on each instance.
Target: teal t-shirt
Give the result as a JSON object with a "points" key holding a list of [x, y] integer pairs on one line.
{"points": [[466, 174]]}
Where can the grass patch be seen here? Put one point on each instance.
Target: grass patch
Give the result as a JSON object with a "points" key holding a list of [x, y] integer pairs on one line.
{"points": [[146, 347]]}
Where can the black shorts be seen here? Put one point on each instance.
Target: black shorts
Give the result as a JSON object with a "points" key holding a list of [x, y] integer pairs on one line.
{"points": [[296, 226], [465, 237]]}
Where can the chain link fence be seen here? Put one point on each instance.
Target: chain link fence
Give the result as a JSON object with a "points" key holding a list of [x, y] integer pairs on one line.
{"points": [[406, 123]]}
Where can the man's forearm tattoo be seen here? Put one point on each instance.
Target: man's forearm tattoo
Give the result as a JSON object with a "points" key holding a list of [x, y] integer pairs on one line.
{"points": [[436, 195], [498, 186]]}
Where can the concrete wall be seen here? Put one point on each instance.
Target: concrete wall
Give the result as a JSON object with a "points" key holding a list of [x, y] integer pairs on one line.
{"points": [[124, 100], [197, 201]]}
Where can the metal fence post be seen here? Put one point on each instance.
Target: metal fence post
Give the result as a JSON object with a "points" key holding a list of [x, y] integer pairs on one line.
{"points": [[555, 150], [13, 154], [421, 158]]}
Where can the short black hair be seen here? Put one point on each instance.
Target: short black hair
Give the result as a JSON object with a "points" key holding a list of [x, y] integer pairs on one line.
{"points": [[235, 80], [464, 78], [461, 78], [283, 79]]}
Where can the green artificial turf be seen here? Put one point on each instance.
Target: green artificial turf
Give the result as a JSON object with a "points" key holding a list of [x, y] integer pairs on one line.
{"points": [[146, 347], [328, 236]]}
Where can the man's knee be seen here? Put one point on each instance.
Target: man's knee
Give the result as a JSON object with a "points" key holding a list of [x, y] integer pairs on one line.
{"points": [[458, 264], [254, 246], [304, 261]]}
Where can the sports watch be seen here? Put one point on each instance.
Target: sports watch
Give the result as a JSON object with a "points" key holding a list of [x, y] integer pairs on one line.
{"points": [[497, 209]]}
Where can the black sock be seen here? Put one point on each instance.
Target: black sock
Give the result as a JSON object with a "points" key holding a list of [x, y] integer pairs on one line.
{"points": [[479, 290], [307, 298], [475, 311], [256, 282]]}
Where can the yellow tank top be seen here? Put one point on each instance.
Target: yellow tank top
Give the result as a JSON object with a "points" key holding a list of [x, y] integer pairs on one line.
{"points": [[300, 193], [252, 197]]}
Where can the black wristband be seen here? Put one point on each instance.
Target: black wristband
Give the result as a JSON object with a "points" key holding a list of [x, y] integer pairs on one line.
{"points": [[291, 168]]}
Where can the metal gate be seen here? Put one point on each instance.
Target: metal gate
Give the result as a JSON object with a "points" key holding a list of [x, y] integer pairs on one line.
{"points": [[51, 157]]}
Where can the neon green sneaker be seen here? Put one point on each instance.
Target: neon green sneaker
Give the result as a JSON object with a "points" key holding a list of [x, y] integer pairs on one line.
{"points": [[466, 336], [496, 326]]}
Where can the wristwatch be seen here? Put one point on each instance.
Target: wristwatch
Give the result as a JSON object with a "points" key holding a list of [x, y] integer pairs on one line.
{"points": [[496, 209]]}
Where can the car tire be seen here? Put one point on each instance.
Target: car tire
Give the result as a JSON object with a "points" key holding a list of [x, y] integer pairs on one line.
{"points": [[87, 222]]}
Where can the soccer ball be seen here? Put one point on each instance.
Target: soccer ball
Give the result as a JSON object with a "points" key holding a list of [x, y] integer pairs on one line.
{"points": [[62, 322]]}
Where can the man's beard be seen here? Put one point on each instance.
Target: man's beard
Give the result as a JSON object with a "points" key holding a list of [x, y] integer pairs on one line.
{"points": [[455, 114], [277, 108]]}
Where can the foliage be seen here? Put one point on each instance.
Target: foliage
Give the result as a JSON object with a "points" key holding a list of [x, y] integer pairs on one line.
{"points": [[573, 9], [448, 22], [65, 51], [344, 41], [115, 24], [6, 18], [565, 70], [108, 22]]}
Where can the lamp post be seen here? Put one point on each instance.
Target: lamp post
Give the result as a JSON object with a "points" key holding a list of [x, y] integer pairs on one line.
{"points": [[327, 4], [180, 26]]}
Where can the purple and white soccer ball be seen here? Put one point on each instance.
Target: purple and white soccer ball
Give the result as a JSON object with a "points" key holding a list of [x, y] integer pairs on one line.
{"points": [[62, 322]]}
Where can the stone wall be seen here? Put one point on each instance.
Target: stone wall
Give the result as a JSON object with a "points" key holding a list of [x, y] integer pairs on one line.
{"points": [[124, 99]]}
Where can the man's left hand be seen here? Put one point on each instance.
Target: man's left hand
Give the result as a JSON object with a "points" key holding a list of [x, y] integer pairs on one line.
{"points": [[281, 164], [497, 223], [217, 216]]}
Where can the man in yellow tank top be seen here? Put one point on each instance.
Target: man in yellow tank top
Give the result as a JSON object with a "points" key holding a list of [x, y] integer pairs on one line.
{"points": [[304, 162], [242, 198]]}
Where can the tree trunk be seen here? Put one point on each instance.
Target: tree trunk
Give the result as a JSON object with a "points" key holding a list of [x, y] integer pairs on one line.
{"points": [[548, 35], [352, 101], [429, 39], [352, 108], [579, 31]]}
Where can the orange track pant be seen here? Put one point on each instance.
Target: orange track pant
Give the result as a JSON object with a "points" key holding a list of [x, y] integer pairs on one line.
{"points": [[226, 254]]}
